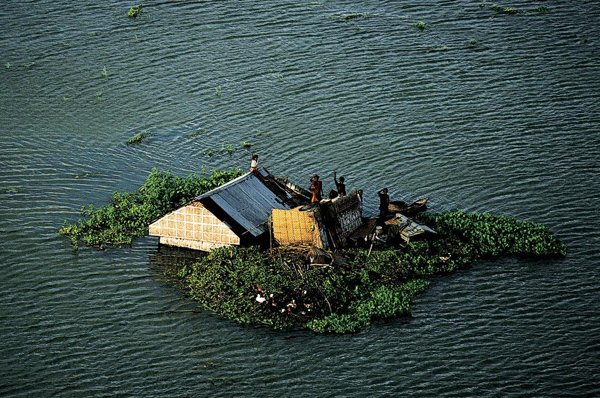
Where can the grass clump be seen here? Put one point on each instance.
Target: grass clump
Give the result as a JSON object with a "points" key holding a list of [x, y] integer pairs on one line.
{"points": [[134, 11], [420, 25], [246, 144], [128, 215], [136, 138], [8, 65], [104, 72], [362, 288], [473, 43]]}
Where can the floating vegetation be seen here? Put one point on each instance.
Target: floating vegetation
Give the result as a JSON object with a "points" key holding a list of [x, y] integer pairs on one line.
{"points": [[8, 65], [227, 148], [246, 144], [99, 94], [210, 152], [473, 43], [104, 72], [128, 215], [14, 189], [280, 289], [195, 134], [277, 76], [134, 11], [136, 138], [351, 16], [218, 91], [420, 25]]}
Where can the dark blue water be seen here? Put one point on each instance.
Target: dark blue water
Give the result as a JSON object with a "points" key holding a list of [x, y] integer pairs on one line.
{"points": [[479, 111]]}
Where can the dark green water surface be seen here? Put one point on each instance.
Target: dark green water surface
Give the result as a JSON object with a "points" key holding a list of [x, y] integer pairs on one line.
{"points": [[480, 111]]}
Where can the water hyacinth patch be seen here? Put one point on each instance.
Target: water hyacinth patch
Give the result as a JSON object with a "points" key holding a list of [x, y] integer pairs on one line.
{"points": [[280, 289], [128, 215], [136, 138], [134, 11], [420, 25], [364, 287]]}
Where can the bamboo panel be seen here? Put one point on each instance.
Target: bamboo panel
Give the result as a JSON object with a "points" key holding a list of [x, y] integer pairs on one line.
{"points": [[193, 223], [291, 227]]}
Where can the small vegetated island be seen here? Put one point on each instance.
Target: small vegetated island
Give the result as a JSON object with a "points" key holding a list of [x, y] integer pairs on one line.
{"points": [[340, 289]]}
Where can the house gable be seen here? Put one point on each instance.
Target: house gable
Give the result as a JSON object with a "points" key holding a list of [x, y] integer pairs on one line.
{"points": [[195, 227]]}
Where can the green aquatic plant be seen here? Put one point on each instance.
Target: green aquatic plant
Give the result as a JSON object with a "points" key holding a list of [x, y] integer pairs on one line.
{"points": [[14, 189], [195, 134], [134, 11], [279, 288], [365, 286], [218, 91], [420, 25], [7, 65], [136, 138], [246, 144], [500, 9], [473, 43], [104, 72], [210, 152], [128, 215]]}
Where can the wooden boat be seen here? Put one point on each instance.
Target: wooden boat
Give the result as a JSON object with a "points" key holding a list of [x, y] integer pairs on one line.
{"points": [[401, 207]]}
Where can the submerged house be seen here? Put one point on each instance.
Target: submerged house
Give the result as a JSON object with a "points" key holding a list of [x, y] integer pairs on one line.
{"points": [[236, 213], [261, 209]]}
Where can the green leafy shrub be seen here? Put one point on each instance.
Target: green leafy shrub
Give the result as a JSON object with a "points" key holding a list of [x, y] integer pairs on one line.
{"points": [[128, 214]]}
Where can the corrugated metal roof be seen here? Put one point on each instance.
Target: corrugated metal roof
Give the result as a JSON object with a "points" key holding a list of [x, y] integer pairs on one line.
{"points": [[248, 201]]}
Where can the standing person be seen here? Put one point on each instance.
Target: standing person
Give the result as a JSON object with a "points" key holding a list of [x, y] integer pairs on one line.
{"points": [[384, 201], [339, 185], [359, 195], [254, 164], [316, 188]]}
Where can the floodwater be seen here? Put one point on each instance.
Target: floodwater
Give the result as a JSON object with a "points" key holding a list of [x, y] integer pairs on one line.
{"points": [[479, 111]]}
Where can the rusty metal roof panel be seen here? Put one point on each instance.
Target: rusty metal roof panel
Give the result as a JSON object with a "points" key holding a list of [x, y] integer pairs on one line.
{"points": [[248, 201]]}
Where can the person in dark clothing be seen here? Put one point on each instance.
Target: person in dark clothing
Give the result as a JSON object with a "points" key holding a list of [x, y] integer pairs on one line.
{"points": [[384, 201], [339, 185]]}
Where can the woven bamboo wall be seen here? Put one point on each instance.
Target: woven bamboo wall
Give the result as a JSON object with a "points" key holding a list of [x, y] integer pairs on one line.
{"points": [[193, 225], [292, 227]]}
